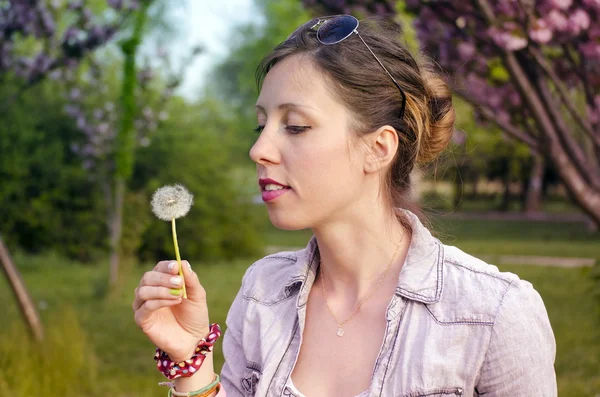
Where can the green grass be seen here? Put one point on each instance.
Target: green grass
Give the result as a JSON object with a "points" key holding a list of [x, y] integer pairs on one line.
{"points": [[444, 201], [576, 324], [110, 337], [519, 237]]}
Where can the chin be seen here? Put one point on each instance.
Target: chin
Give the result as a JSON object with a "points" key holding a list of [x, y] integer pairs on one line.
{"points": [[286, 221]]}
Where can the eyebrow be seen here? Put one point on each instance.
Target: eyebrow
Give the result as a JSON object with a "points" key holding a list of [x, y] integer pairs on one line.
{"points": [[287, 106]]}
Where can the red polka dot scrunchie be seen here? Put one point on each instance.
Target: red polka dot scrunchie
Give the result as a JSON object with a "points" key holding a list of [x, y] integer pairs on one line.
{"points": [[173, 370]]}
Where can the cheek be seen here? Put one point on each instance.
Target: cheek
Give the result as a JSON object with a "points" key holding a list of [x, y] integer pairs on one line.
{"points": [[329, 168]]}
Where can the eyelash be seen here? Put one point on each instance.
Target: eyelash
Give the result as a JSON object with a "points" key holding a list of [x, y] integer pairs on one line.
{"points": [[293, 129]]}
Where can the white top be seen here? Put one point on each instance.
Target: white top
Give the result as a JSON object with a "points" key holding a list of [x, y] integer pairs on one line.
{"points": [[291, 391]]}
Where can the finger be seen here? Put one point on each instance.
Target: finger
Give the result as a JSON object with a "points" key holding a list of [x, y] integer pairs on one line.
{"points": [[170, 267], [150, 307], [145, 292], [148, 293], [157, 279], [192, 284]]}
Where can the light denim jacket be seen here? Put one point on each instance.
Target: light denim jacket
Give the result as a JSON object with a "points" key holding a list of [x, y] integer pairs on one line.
{"points": [[456, 326]]}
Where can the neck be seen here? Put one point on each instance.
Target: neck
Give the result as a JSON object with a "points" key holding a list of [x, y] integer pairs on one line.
{"points": [[356, 251]]}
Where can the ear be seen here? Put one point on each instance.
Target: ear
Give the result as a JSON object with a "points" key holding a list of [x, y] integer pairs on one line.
{"points": [[383, 145]]}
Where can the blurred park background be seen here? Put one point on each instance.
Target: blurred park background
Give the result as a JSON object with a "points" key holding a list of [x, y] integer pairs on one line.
{"points": [[103, 101]]}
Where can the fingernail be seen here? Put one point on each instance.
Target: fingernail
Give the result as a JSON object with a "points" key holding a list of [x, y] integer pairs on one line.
{"points": [[175, 292], [172, 265], [175, 280], [189, 266]]}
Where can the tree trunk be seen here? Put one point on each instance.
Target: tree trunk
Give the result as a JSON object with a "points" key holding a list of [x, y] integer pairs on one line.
{"points": [[505, 203], [534, 190], [584, 193], [116, 228], [125, 142], [458, 190], [28, 309]]}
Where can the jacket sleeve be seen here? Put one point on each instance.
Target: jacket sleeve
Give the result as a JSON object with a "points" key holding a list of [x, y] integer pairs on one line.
{"points": [[520, 356], [233, 352]]}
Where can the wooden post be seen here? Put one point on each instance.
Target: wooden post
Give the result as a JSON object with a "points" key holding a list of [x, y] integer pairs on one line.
{"points": [[28, 309]]}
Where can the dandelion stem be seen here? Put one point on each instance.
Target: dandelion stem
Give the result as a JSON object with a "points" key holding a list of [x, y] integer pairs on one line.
{"points": [[178, 257]]}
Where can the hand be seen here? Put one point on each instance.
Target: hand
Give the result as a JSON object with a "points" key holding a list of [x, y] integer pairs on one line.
{"points": [[173, 324]]}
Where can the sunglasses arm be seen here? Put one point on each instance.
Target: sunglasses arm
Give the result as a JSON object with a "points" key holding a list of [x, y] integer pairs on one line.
{"points": [[388, 73]]}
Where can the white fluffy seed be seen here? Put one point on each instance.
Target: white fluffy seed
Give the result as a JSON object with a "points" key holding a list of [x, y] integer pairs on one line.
{"points": [[171, 202]]}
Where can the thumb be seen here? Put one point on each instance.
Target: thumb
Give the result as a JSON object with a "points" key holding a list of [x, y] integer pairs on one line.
{"points": [[194, 290]]}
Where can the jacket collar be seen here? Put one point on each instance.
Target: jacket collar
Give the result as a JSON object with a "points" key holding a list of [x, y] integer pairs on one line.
{"points": [[420, 278]]}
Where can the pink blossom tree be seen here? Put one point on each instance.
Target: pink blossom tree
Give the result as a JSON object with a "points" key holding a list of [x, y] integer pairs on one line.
{"points": [[530, 66]]}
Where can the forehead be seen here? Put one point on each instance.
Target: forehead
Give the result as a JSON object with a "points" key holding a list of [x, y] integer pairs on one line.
{"points": [[296, 79]]}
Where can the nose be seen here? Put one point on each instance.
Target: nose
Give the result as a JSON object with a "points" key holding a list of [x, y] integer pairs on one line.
{"points": [[265, 148]]}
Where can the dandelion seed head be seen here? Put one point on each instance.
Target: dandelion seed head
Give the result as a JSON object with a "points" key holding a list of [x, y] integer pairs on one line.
{"points": [[171, 202]]}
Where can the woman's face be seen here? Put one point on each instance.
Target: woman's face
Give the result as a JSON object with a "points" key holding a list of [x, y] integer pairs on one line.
{"points": [[305, 144]]}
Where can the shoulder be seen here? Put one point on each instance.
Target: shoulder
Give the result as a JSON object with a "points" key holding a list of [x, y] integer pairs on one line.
{"points": [[474, 291], [275, 277], [521, 348]]}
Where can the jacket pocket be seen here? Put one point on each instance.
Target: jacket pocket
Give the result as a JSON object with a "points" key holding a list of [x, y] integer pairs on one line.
{"points": [[441, 392], [251, 378]]}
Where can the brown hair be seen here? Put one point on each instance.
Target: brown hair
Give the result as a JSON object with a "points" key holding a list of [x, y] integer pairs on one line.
{"points": [[360, 83]]}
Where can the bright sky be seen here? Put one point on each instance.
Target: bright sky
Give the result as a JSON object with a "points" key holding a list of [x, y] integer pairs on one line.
{"points": [[209, 23]]}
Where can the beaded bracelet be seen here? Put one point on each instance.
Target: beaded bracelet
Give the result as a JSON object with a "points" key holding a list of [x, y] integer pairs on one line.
{"points": [[205, 391], [173, 370]]}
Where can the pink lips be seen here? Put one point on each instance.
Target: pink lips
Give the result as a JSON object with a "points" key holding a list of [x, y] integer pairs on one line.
{"points": [[268, 195]]}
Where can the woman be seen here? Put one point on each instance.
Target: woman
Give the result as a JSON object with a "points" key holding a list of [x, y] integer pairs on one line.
{"points": [[374, 305]]}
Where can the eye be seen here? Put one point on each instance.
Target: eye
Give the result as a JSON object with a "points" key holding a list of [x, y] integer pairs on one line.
{"points": [[297, 129], [259, 129]]}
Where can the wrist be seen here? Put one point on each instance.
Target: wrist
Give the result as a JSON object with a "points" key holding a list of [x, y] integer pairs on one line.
{"points": [[186, 368], [200, 379], [188, 355]]}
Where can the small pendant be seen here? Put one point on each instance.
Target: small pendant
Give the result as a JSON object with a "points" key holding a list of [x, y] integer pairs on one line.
{"points": [[340, 331]]}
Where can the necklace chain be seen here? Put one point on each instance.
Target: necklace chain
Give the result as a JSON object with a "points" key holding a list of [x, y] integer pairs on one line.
{"points": [[340, 331]]}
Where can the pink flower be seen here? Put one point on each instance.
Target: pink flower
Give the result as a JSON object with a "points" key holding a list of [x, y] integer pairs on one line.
{"points": [[594, 32], [592, 4], [540, 32], [503, 116], [590, 49], [466, 50], [507, 40], [594, 111], [514, 98], [459, 137], [561, 4], [578, 21], [494, 100], [557, 20]]}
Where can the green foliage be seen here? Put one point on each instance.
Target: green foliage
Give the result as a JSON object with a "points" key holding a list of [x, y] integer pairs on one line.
{"points": [[485, 153], [46, 198], [223, 223], [48, 202]]}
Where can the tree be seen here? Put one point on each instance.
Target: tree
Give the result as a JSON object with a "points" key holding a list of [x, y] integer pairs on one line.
{"points": [[530, 67], [32, 47]]}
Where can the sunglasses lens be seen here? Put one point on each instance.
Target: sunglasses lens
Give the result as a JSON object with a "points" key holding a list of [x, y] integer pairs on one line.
{"points": [[337, 29]]}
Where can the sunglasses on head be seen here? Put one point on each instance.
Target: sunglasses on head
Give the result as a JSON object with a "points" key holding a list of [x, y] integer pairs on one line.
{"points": [[337, 28]]}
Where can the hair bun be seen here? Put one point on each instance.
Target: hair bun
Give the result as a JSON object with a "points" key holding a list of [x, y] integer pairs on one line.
{"points": [[438, 131]]}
